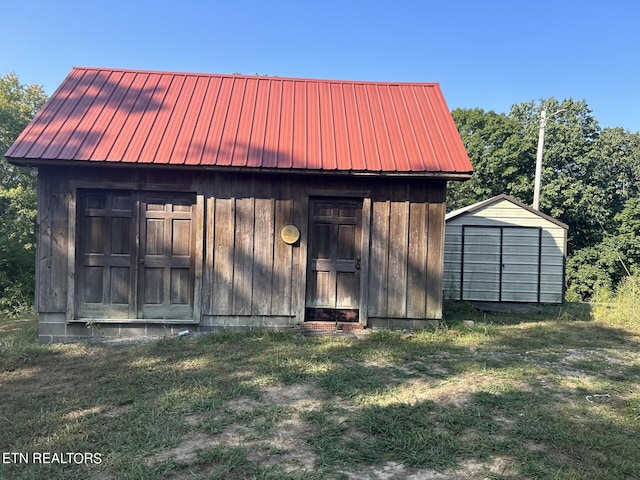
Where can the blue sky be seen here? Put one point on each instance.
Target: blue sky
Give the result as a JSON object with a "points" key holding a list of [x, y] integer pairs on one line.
{"points": [[488, 54]]}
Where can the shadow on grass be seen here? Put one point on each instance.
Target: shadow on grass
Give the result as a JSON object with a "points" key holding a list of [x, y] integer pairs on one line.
{"points": [[19, 347], [541, 435], [129, 402], [458, 311], [560, 336]]}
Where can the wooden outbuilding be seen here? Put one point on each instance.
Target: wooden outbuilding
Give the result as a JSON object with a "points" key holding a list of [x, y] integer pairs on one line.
{"points": [[501, 250], [178, 201]]}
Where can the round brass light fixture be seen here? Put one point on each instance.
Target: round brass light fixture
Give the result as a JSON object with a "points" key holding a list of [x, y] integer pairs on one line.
{"points": [[290, 234]]}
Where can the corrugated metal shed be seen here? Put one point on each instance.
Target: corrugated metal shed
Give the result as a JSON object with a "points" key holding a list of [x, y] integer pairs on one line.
{"points": [[501, 250], [185, 119]]}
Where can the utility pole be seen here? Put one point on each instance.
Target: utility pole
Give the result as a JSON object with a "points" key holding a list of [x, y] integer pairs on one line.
{"points": [[536, 185], [538, 179]]}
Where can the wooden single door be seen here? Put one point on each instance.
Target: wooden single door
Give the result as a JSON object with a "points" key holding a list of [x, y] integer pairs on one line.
{"points": [[105, 277], [333, 272], [166, 257], [136, 255]]}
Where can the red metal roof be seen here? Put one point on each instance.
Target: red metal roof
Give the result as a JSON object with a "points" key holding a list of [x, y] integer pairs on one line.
{"points": [[144, 117]]}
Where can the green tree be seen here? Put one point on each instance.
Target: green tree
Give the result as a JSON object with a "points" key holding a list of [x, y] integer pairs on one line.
{"points": [[616, 166], [569, 190], [502, 149], [590, 181], [607, 263], [18, 104], [500, 157]]}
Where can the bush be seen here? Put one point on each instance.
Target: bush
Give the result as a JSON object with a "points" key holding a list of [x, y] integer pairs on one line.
{"points": [[603, 266], [619, 307], [17, 249]]}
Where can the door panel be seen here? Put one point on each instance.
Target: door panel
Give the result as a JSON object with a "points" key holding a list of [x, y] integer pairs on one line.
{"points": [[520, 261], [121, 235], [120, 285], [481, 264], [94, 284], [180, 286], [333, 276], [167, 242], [346, 290], [501, 264], [346, 242], [119, 277], [104, 272], [320, 246], [154, 236], [153, 286], [181, 245]]}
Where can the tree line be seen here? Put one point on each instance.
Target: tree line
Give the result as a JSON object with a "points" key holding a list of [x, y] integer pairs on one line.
{"points": [[591, 182], [18, 104]]}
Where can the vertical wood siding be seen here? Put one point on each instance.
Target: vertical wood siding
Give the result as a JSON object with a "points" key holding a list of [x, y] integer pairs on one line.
{"points": [[250, 266], [245, 267], [398, 259], [435, 255], [52, 231], [281, 291], [379, 261], [407, 234], [417, 260]]}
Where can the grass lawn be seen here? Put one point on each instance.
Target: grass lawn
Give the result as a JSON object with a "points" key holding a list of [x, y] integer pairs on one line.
{"points": [[553, 394]]}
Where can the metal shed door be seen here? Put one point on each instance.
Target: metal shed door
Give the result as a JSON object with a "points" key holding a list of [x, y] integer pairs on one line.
{"points": [[333, 273], [520, 281], [501, 264]]}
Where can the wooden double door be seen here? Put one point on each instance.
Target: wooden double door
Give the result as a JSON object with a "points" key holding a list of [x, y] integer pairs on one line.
{"points": [[136, 255], [334, 256]]}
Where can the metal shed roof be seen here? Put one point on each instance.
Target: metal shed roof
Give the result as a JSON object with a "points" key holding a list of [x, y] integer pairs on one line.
{"points": [[480, 205], [115, 116]]}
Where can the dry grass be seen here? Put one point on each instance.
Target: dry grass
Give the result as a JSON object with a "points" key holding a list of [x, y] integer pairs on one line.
{"points": [[510, 397]]}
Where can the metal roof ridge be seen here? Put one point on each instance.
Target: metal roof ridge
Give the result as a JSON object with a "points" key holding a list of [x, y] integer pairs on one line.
{"points": [[262, 77]]}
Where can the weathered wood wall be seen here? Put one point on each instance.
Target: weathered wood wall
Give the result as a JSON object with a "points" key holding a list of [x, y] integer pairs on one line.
{"points": [[52, 241], [407, 235], [249, 270], [249, 275]]}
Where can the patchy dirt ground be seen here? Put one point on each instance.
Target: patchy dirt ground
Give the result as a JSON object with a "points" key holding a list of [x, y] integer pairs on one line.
{"points": [[282, 442], [283, 446]]}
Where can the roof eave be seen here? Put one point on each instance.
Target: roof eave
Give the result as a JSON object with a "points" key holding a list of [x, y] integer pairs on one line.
{"points": [[38, 162], [503, 196]]}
